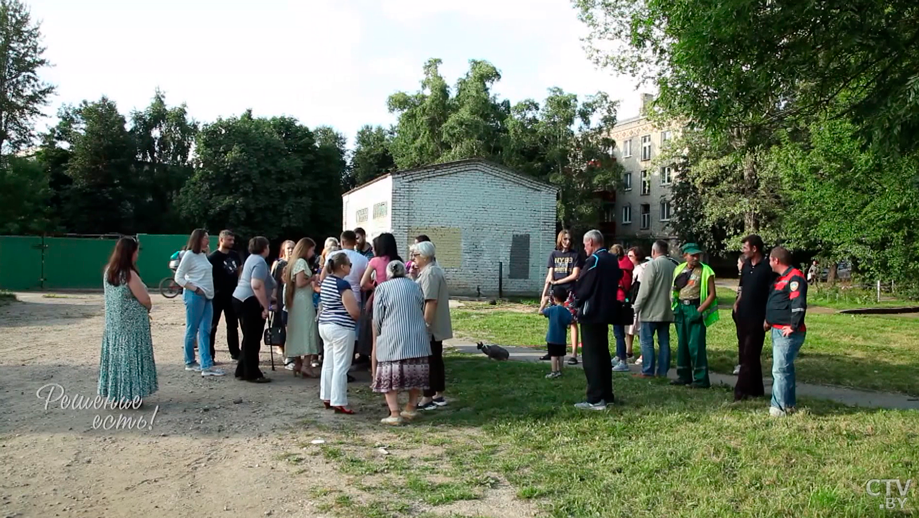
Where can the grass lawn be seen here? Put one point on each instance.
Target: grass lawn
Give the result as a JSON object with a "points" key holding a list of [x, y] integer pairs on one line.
{"points": [[867, 352], [839, 299], [511, 440]]}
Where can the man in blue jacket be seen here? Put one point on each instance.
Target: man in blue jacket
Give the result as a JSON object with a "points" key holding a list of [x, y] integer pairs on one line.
{"points": [[595, 293]]}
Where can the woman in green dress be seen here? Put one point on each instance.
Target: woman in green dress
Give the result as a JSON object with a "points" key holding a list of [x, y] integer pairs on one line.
{"points": [[302, 334], [126, 366]]}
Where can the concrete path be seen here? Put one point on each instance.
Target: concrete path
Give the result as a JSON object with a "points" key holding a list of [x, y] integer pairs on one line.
{"points": [[851, 397]]}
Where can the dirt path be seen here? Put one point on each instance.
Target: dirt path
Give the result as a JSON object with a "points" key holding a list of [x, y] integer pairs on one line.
{"points": [[842, 395]]}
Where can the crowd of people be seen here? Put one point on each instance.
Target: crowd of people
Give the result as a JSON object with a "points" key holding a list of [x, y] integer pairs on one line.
{"points": [[354, 305], [358, 305], [587, 293]]}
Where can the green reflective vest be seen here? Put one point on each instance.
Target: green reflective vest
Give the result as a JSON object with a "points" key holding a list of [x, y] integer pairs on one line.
{"points": [[710, 315]]}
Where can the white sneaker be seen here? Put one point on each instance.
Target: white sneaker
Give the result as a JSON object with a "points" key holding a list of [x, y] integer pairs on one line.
{"points": [[736, 370], [194, 367], [638, 361], [776, 412], [211, 372], [591, 406], [621, 367], [289, 366], [553, 375], [616, 360]]}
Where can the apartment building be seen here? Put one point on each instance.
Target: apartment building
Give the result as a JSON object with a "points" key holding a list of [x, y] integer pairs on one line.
{"points": [[642, 206]]}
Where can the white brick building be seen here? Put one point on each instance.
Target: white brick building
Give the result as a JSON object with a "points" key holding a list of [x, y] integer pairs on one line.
{"points": [[478, 214]]}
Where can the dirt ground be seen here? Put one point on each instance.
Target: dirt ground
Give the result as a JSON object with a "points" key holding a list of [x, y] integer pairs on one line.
{"points": [[215, 446]]}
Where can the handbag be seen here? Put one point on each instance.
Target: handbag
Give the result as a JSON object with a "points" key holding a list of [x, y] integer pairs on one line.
{"points": [[275, 334]]}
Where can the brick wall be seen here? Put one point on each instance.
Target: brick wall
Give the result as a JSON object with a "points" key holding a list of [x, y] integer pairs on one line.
{"points": [[485, 206]]}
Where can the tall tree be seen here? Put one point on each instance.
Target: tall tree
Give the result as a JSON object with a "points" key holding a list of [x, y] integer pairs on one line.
{"points": [[22, 92], [476, 124], [164, 137], [263, 176], [371, 157], [418, 138], [24, 196], [104, 193]]}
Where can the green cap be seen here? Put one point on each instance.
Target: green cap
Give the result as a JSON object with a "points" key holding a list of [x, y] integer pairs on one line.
{"points": [[691, 249]]}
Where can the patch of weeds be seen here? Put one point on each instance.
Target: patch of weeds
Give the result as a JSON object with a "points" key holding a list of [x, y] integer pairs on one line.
{"points": [[55, 296], [292, 458]]}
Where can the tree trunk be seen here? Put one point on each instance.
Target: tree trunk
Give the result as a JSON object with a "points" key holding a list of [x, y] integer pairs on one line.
{"points": [[751, 219], [831, 275]]}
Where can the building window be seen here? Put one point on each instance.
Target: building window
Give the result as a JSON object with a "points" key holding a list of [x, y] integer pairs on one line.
{"points": [[627, 181], [361, 215], [626, 214], [609, 212], [665, 210], [666, 136], [666, 175], [646, 147], [645, 216], [645, 183], [627, 148], [380, 210]]}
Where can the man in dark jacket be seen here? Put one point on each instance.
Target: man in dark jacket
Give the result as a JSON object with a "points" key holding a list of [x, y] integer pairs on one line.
{"points": [[595, 293]]}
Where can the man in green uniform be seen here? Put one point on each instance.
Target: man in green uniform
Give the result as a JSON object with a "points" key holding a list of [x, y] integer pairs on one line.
{"points": [[695, 307]]}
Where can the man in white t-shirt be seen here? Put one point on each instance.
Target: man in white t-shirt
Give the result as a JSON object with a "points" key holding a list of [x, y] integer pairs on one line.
{"points": [[359, 263]]}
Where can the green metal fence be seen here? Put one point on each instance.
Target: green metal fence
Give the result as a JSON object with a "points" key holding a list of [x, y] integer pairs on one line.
{"points": [[76, 263]]}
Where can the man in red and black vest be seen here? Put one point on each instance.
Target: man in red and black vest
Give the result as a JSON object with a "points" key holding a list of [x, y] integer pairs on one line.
{"points": [[785, 312]]}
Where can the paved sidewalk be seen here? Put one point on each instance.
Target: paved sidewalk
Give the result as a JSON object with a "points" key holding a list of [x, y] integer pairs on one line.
{"points": [[851, 397]]}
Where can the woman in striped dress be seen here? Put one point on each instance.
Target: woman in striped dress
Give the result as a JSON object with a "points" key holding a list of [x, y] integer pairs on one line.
{"points": [[337, 323], [400, 343]]}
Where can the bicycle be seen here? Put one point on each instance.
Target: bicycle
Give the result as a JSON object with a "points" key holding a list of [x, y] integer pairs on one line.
{"points": [[169, 288]]}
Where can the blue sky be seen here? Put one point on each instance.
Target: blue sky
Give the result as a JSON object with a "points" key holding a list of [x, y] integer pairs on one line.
{"points": [[322, 62]]}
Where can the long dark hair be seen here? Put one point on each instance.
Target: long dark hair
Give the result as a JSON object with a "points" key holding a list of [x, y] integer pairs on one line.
{"points": [[121, 263], [194, 240], [384, 245], [290, 282]]}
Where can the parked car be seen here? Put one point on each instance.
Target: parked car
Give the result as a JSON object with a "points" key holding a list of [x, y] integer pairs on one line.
{"points": [[843, 272]]}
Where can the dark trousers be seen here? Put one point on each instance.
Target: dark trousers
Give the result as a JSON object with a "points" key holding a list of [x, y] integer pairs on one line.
{"points": [[596, 360], [438, 377], [224, 304], [750, 338], [250, 317]]}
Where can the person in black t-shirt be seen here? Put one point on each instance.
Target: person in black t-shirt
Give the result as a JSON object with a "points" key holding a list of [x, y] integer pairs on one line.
{"points": [[756, 278], [227, 266], [565, 265]]}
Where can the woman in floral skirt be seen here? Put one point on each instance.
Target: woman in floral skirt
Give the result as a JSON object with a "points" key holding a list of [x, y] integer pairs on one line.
{"points": [[400, 343], [126, 367]]}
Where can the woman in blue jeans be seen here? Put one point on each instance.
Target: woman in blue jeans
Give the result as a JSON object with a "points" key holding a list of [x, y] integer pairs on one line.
{"points": [[196, 275]]}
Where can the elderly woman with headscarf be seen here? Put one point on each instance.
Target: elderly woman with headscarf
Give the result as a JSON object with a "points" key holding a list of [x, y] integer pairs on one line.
{"points": [[400, 343], [433, 283]]}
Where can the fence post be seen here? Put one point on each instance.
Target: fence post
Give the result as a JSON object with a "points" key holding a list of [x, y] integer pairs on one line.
{"points": [[879, 291], [892, 291], [500, 280]]}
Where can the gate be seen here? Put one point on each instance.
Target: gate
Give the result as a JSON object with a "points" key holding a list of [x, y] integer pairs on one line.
{"points": [[20, 262]]}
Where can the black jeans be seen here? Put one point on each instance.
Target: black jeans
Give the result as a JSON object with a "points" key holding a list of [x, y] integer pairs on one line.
{"points": [[596, 359], [224, 304], [250, 316], [438, 377], [750, 338]]}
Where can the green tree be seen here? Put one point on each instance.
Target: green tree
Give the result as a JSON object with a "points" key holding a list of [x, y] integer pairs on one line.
{"points": [[22, 93], [476, 124], [418, 137], [261, 176], [164, 137], [103, 194], [24, 197], [371, 157]]}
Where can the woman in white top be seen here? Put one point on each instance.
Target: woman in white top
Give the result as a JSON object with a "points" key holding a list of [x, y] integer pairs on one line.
{"points": [[196, 275]]}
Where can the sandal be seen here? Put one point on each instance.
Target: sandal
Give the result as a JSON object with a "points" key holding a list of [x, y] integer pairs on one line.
{"points": [[572, 361], [328, 404], [343, 410]]}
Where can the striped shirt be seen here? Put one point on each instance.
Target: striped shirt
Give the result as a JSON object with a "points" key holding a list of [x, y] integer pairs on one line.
{"points": [[333, 310], [398, 316]]}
